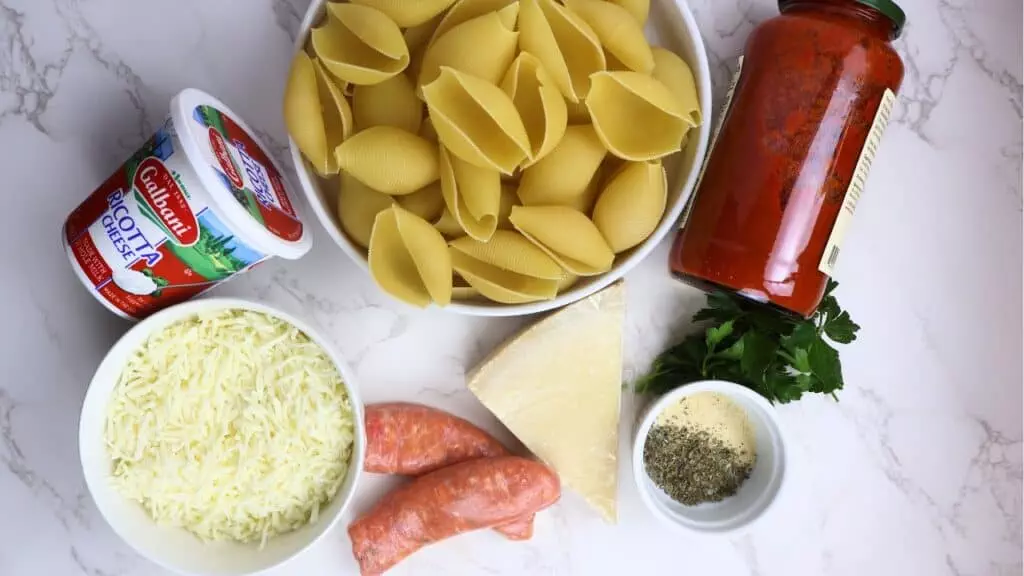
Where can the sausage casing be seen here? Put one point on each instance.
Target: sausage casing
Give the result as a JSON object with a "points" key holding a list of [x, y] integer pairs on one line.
{"points": [[468, 496], [412, 439]]}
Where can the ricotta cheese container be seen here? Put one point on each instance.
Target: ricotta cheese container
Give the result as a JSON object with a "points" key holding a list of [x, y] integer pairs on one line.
{"points": [[198, 203]]}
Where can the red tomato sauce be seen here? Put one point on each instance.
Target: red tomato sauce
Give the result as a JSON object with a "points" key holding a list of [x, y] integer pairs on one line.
{"points": [[812, 82]]}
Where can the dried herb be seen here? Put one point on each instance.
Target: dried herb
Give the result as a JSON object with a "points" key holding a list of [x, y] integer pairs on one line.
{"points": [[777, 355], [692, 466]]}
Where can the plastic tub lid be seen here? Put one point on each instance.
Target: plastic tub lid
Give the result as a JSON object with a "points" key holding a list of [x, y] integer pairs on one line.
{"points": [[243, 179]]}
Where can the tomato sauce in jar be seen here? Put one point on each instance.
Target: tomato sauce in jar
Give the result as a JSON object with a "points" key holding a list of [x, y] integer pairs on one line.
{"points": [[796, 140]]}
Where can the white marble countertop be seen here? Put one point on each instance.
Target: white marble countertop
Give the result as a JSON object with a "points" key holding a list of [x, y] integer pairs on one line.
{"points": [[917, 470]]}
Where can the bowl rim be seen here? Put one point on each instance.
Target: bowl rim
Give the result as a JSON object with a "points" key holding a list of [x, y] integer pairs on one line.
{"points": [[669, 220], [730, 389], [100, 392]]}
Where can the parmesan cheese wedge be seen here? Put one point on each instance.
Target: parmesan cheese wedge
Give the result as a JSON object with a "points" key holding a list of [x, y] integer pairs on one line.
{"points": [[557, 386]]}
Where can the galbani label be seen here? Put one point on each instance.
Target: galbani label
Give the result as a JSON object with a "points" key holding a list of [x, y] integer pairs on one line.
{"points": [[227, 164], [162, 194]]}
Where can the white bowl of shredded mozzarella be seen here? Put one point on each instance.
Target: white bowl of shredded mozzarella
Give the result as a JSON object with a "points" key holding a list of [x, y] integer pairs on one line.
{"points": [[221, 437]]}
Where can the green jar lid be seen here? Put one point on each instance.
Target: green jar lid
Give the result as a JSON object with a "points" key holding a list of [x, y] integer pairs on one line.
{"points": [[888, 8], [892, 10]]}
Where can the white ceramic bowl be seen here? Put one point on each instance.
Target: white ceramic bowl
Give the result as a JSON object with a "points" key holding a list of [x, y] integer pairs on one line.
{"points": [[175, 548], [755, 495], [670, 25]]}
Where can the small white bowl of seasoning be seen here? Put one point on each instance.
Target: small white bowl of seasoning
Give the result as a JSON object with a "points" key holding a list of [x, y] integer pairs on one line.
{"points": [[709, 457]]}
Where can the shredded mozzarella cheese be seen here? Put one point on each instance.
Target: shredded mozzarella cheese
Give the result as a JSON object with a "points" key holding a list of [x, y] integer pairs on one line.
{"points": [[233, 425]]}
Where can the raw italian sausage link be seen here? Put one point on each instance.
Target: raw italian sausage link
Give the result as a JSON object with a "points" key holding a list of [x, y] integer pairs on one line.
{"points": [[413, 439], [472, 495]]}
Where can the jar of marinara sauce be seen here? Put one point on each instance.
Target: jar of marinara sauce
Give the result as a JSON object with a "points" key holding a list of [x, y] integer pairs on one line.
{"points": [[798, 133]]}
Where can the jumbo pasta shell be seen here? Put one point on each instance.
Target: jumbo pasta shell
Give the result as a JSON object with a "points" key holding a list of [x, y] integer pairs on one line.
{"points": [[358, 206], [511, 251], [405, 13], [566, 281], [636, 116], [426, 245], [631, 205], [638, 9], [392, 102], [539, 103], [476, 121], [448, 226], [566, 235], [621, 36], [389, 160], [339, 123], [391, 265], [563, 42], [427, 203], [471, 194], [409, 259], [501, 285], [360, 44], [465, 10], [316, 113], [561, 178], [303, 116], [677, 76], [483, 47]]}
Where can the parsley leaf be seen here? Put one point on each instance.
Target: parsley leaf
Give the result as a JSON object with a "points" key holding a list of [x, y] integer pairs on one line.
{"points": [[715, 334], [841, 329], [782, 387], [801, 361], [778, 355], [823, 362], [828, 309], [830, 287], [801, 337], [758, 353], [734, 352], [721, 307]]}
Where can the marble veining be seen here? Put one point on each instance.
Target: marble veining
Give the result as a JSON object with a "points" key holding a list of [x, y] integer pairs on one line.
{"points": [[916, 470]]}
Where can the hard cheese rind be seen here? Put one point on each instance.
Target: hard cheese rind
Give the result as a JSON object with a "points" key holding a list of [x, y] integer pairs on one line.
{"points": [[557, 387]]}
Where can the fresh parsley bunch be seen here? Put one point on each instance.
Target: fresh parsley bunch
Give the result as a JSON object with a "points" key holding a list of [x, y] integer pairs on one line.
{"points": [[777, 355]]}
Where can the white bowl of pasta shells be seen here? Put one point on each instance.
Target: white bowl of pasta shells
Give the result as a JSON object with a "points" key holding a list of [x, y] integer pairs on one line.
{"points": [[498, 157]]}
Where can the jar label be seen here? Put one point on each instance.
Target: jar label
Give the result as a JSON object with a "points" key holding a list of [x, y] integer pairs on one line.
{"points": [[856, 187], [722, 113]]}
